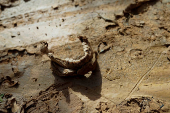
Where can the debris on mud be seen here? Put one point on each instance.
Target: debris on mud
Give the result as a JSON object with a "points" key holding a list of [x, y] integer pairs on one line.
{"points": [[8, 82], [144, 105], [103, 47], [56, 98], [132, 38]]}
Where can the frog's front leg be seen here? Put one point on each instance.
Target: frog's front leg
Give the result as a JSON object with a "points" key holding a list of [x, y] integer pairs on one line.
{"points": [[90, 66]]}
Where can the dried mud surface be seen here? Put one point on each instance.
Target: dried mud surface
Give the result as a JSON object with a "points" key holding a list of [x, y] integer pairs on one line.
{"points": [[132, 39]]}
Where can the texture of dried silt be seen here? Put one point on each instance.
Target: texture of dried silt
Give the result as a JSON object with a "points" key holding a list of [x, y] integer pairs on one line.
{"points": [[132, 39]]}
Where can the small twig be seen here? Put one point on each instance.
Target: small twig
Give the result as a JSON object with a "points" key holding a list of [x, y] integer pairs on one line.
{"points": [[141, 79]]}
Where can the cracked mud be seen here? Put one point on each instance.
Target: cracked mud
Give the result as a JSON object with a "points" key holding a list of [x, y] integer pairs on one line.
{"points": [[132, 39]]}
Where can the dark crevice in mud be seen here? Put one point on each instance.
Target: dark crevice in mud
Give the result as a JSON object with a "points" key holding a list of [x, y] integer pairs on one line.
{"points": [[13, 0], [15, 51], [9, 4], [2, 26], [27, 0], [15, 25], [139, 7], [117, 17], [168, 58], [162, 27], [135, 9], [110, 27], [4, 7], [128, 16], [166, 45], [132, 101], [33, 104]]}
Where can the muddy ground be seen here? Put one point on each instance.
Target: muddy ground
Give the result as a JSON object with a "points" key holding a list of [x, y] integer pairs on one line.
{"points": [[132, 39]]}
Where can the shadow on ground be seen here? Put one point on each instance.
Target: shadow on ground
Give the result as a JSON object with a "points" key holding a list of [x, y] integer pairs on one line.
{"points": [[89, 86]]}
